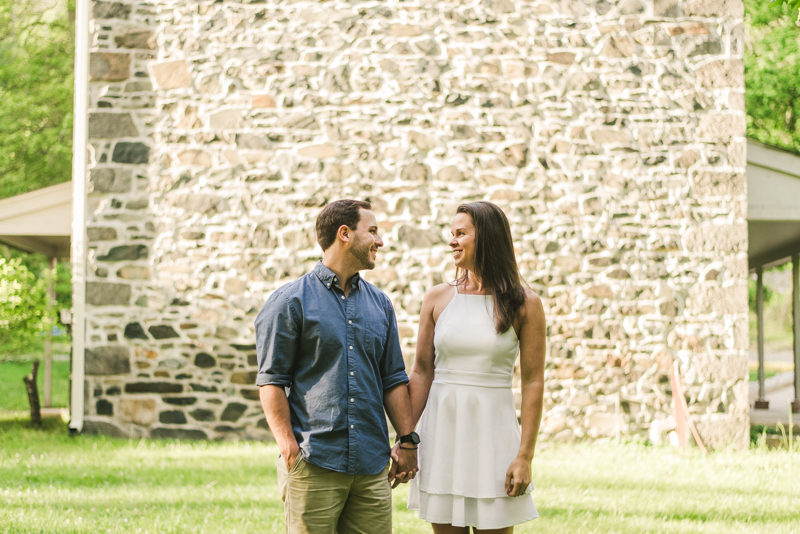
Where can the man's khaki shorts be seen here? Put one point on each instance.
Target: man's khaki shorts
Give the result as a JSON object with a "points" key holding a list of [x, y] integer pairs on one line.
{"points": [[320, 501]]}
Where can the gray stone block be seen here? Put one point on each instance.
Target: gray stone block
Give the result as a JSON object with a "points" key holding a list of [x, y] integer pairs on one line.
{"points": [[143, 39], [111, 125], [110, 360], [162, 331], [108, 180], [107, 294], [172, 417], [233, 412], [203, 388], [202, 414], [153, 387], [250, 394], [103, 407], [111, 10], [101, 234], [110, 67], [135, 331], [132, 153], [248, 378], [204, 360], [180, 401], [125, 252]]}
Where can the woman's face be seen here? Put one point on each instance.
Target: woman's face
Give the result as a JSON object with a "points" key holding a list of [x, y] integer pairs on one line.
{"points": [[463, 242]]}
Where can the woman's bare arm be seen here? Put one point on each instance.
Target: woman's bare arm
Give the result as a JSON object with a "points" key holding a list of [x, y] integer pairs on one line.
{"points": [[422, 373], [532, 334], [531, 359]]}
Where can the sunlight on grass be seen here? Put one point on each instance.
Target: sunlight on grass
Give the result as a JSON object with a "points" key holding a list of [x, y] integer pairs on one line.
{"points": [[50, 482]]}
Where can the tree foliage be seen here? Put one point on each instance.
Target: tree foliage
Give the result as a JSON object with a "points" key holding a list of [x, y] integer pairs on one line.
{"points": [[24, 315], [772, 72], [36, 89]]}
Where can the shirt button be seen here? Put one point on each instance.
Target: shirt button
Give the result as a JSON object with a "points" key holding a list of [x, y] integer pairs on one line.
{"points": [[350, 322], [351, 373], [352, 426], [329, 285], [342, 297], [351, 347], [352, 399]]}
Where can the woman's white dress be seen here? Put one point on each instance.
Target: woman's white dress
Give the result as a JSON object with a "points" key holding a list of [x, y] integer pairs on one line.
{"points": [[469, 431]]}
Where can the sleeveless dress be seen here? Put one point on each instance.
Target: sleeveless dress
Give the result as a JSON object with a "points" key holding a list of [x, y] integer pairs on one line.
{"points": [[469, 433]]}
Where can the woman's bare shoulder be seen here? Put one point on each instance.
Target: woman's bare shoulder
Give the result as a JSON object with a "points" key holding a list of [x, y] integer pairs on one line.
{"points": [[439, 291], [533, 307]]}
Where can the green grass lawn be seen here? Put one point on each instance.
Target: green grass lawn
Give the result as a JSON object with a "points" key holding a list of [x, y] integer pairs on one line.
{"points": [[13, 396], [52, 483], [767, 374]]}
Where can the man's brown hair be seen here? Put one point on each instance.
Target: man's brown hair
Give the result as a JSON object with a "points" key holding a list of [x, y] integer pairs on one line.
{"points": [[334, 215]]}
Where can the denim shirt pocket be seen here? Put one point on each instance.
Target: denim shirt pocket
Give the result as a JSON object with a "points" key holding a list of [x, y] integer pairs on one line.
{"points": [[375, 338]]}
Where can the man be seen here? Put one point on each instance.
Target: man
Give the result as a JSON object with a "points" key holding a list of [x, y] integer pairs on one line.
{"points": [[332, 339]]}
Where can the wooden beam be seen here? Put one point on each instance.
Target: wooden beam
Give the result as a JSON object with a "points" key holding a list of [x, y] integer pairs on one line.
{"points": [[28, 244], [761, 402], [48, 340], [774, 257], [796, 329]]}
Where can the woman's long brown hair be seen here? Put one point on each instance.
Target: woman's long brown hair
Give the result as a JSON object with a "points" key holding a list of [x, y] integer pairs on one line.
{"points": [[495, 263]]}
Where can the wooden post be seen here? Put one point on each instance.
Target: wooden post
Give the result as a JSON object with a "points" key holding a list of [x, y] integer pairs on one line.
{"points": [[48, 340], [33, 395], [677, 407], [796, 329], [761, 402]]}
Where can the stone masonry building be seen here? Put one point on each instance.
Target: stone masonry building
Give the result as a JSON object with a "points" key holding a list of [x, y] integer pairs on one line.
{"points": [[610, 132]]}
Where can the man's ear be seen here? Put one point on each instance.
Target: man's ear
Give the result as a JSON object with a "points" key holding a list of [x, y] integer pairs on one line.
{"points": [[344, 233]]}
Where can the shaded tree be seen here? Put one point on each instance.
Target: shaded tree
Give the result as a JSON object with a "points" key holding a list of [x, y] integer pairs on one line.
{"points": [[24, 315], [36, 89], [772, 72]]}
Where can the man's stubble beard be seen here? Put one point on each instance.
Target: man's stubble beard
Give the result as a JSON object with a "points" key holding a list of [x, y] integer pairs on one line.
{"points": [[360, 251]]}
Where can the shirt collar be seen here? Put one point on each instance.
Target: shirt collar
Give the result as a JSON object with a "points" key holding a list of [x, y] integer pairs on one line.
{"points": [[329, 278]]}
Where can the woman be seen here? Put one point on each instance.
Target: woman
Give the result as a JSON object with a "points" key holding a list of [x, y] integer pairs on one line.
{"points": [[475, 466]]}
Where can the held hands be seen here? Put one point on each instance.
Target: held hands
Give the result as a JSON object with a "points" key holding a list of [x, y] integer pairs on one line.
{"points": [[518, 477], [404, 465]]}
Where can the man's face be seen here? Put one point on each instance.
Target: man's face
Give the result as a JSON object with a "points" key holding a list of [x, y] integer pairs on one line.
{"points": [[366, 241]]}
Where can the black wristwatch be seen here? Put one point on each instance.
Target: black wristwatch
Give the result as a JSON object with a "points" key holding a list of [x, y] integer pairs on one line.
{"points": [[412, 438]]}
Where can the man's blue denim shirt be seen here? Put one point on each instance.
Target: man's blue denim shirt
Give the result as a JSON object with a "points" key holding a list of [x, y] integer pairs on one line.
{"points": [[337, 355]]}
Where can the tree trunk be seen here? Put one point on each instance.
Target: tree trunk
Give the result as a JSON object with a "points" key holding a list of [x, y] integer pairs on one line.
{"points": [[33, 395]]}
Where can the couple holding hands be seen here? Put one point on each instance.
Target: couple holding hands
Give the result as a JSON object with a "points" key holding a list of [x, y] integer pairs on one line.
{"points": [[330, 369]]}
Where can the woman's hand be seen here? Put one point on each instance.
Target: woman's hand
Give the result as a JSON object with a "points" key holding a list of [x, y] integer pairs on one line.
{"points": [[518, 477]]}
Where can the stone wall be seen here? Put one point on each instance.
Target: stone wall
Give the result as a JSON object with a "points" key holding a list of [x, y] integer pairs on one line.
{"points": [[611, 133]]}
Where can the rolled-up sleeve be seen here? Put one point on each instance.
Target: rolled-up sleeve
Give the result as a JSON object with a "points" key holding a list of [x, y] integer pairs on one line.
{"points": [[393, 368], [276, 341]]}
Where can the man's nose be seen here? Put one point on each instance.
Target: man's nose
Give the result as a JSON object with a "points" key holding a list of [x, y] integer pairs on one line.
{"points": [[378, 240]]}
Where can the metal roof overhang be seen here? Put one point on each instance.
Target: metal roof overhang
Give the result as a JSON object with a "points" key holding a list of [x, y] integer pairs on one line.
{"points": [[39, 221], [773, 205]]}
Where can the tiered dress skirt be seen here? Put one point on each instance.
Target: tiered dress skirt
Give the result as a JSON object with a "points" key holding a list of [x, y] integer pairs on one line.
{"points": [[469, 437]]}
